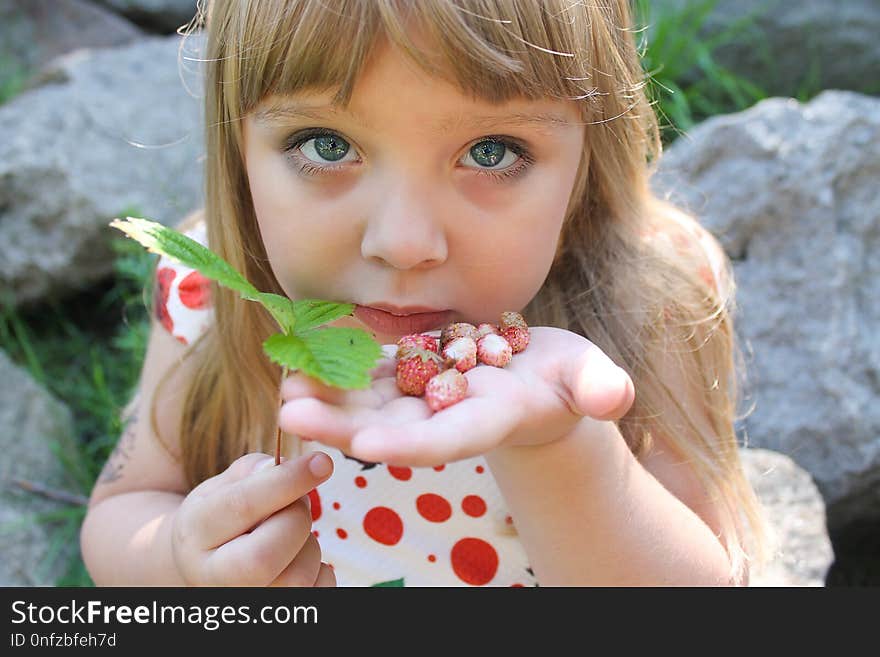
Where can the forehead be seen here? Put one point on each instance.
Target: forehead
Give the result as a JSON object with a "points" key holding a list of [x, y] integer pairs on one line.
{"points": [[390, 86]]}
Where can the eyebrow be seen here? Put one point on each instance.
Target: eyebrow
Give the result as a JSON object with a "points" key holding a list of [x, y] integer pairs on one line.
{"points": [[275, 114]]}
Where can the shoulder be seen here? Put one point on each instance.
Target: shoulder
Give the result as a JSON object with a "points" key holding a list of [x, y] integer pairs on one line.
{"points": [[182, 297], [682, 237]]}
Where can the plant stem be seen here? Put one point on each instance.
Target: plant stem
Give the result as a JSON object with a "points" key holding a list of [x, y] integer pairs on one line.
{"points": [[278, 432], [50, 493]]}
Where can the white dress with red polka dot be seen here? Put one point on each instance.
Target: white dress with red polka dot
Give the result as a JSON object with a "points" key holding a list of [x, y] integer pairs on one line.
{"points": [[376, 524]]}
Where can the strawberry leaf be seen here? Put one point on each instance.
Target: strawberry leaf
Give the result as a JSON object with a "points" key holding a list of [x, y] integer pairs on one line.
{"points": [[339, 357], [311, 313], [177, 246]]}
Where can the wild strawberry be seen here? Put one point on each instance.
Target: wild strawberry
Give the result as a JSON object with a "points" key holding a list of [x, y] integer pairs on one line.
{"points": [[485, 329], [457, 330], [463, 351], [447, 388], [517, 336], [414, 371], [510, 318], [493, 349], [416, 341]]}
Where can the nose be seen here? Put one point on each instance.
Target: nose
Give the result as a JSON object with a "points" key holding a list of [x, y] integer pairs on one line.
{"points": [[406, 230]]}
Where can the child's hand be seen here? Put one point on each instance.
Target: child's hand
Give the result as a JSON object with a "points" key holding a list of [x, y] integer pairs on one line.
{"points": [[560, 379], [251, 525]]}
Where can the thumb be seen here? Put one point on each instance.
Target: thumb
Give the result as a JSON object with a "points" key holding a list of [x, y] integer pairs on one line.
{"points": [[597, 387]]}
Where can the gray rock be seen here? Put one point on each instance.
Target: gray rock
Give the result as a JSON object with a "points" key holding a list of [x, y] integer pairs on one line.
{"points": [[790, 45], [796, 514], [117, 130], [791, 192], [34, 424], [158, 15], [33, 32]]}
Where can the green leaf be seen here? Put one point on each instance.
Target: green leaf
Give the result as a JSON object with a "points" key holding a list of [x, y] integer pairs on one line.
{"points": [[167, 241], [390, 583], [311, 313], [281, 308], [339, 357]]}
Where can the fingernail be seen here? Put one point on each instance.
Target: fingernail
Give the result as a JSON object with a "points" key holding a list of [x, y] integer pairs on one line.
{"points": [[320, 465]]}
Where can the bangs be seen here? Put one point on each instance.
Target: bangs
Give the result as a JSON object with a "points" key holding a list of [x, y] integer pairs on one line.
{"points": [[491, 50]]}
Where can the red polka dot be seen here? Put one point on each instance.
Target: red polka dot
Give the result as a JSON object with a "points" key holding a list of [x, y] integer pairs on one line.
{"points": [[195, 291], [432, 558], [164, 278], [383, 525], [360, 482], [439, 468], [473, 505], [336, 505], [315, 533], [315, 500], [516, 586], [433, 507], [341, 533], [479, 469], [474, 561], [400, 473]]}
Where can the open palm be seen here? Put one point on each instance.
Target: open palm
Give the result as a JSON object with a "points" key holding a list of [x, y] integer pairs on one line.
{"points": [[560, 379]]}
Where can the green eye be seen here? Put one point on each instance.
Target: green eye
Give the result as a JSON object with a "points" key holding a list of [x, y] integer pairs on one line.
{"points": [[488, 153], [328, 147]]}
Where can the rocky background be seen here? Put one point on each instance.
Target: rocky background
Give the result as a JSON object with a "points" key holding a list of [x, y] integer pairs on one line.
{"points": [[790, 189]]}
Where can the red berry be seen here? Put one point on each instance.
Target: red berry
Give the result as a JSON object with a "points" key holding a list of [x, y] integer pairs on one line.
{"points": [[493, 349], [457, 330], [517, 336], [447, 388], [415, 341], [414, 372], [463, 351], [511, 318], [486, 329]]}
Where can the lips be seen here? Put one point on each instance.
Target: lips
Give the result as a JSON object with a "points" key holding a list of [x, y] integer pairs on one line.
{"points": [[402, 321]]}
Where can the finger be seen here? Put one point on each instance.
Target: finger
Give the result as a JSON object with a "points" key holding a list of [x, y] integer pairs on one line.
{"points": [[326, 576], [303, 570], [298, 385], [335, 426], [443, 437], [258, 557], [596, 387], [236, 508], [382, 388], [238, 469]]}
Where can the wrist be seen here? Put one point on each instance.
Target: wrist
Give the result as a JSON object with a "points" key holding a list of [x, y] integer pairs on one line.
{"points": [[590, 446]]}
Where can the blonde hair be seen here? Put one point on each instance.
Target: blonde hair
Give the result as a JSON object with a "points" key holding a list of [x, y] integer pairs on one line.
{"points": [[639, 303]]}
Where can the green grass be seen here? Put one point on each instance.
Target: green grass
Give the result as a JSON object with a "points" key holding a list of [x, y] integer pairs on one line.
{"points": [[13, 77], [686, 83], [87, 351]]}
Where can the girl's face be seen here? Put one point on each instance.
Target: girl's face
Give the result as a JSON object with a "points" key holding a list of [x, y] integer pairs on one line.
{"points": [[417, 197]]}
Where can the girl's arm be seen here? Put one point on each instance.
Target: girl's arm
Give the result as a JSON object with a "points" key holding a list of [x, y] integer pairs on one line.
{"points": [[589, 513], [125, 536], [249, 525]]}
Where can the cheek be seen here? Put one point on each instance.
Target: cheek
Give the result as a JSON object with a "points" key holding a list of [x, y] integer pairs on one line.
{"points": [[303, 239], [508, 261]]}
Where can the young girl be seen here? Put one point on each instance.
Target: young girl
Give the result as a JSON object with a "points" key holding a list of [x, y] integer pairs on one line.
{"points": [[435, 162]]}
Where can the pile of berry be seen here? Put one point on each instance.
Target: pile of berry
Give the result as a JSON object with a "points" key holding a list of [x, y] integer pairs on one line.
{"points": [[436, 369]]}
